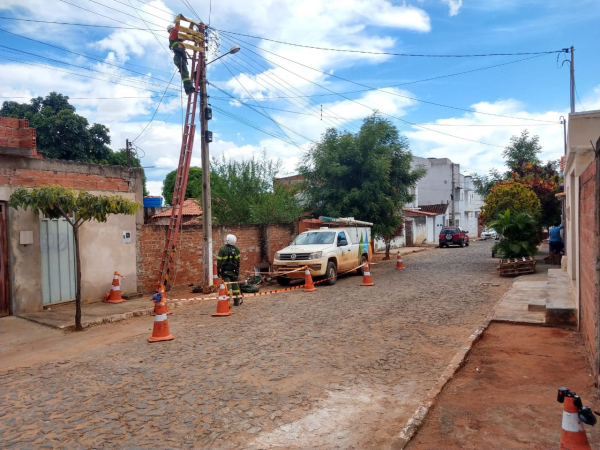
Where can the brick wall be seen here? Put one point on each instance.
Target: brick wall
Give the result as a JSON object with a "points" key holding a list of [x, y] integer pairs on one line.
{"points": [[257, 244], [589, 289], [33, 178]]}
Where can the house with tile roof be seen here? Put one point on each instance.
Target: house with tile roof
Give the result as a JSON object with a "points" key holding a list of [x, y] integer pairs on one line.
{"points": [[192, 213]]}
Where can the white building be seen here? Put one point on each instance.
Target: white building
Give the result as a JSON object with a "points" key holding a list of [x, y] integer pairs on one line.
{"points": [[435, 189]]}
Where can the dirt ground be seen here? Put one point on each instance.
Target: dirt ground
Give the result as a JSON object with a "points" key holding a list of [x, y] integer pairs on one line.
{"points": [[505, 395]]}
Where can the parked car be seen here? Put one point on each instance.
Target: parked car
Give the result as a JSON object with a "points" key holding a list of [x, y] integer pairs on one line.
{"points": [[453, 236], [489, 233], [326, 252]]}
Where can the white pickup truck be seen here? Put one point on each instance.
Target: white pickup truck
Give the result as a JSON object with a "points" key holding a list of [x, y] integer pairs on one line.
{"points": [[326, 252]]}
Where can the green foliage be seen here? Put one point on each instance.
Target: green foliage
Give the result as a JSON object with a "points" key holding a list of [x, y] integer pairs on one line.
{"points": [[119, 158], [193, 189], [485, 183], [243, 193], [510, 195], [365, 175], [522, 149], [520, 231], [75, 206]]}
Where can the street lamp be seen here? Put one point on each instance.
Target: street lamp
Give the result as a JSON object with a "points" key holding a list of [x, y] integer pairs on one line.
{"points": [[232, 50], [206, 138]]}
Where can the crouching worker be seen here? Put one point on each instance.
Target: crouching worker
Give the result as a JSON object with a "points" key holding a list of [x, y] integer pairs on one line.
{"points": [[228, 267]]}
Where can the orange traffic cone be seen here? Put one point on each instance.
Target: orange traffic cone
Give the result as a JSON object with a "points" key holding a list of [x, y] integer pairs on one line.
{"points": [[399, 264], [114, 296], [367, 280], [222, 302], [215, 276], [572, 436], [161, 323], [309, 286]]}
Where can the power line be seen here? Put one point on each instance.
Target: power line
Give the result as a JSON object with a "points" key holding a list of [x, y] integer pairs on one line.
{"points": [[265, 113], [87, 56], [577, 94], [77, 24], [157, 106], [394, 54], [139, 10], [119, 11], [377, 89], [155, 37]]}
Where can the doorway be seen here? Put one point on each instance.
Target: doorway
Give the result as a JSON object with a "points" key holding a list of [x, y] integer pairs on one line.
{"points": [[58, 261]]}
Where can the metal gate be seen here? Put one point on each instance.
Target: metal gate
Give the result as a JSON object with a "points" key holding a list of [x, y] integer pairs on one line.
{"points": [[58, 260], [4, 299]]}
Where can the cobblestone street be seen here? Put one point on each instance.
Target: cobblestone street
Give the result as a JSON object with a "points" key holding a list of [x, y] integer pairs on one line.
{"points": [[343, 367]]}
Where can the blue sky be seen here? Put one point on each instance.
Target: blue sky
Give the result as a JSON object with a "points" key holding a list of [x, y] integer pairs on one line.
{"points": [[530, 94]]}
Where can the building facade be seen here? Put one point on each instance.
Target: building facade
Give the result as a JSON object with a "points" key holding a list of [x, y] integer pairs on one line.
{"points": [[582, 204]]}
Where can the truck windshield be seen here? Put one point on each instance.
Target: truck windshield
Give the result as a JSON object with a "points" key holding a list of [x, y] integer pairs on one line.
{"points": [[314, 237]]}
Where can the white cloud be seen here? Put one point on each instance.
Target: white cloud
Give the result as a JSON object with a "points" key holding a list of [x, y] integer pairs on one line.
{"points": [[154, 187], [454, 6]]}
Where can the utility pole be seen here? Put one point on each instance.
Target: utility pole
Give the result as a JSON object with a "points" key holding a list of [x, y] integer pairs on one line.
{"points": [[128, 152], [206, 137], [572, 79], [452, 195]]}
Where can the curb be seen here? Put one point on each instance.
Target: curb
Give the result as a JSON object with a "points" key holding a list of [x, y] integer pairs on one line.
{"points": [[416, 420], [174, 303]]}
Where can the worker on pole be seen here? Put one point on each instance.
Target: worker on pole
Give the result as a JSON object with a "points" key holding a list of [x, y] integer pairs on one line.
{"points": [[228, 267], [179, 55]]}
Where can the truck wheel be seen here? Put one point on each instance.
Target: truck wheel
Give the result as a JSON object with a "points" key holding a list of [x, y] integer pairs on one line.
{"points": [[467, 243], [331, 274], [283, 281], [361, 271], [461, 243]]}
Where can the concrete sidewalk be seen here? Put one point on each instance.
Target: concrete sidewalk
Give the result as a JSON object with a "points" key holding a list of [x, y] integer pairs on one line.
{"points": [[62, 317]]}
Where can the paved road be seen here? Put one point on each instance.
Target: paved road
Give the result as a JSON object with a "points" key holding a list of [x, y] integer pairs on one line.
{"points": [[343, 367]]}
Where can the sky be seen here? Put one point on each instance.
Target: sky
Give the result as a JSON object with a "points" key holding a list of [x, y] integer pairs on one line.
{"points": [[280, 98]]}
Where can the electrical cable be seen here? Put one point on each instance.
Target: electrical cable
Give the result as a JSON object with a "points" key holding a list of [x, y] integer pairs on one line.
{"points": [[155, 37], [265, 113], [88, 56], [119, 11], [267, 73], [15, 50], [393, 54], [577, 95], [77, 24], [78, 74], [375, 89], [158, 106], [141, 10], [191, 8]]}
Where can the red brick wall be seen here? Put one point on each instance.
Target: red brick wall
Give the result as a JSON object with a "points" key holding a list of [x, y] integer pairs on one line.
{"points": [[589, 289], [187, 268], [33, 178]]}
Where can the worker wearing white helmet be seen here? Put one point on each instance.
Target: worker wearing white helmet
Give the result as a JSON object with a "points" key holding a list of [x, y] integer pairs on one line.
{"points": [[228, 267], [179, 56]]}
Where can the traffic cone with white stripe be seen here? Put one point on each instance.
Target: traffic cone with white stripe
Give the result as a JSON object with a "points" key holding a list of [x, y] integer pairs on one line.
{"points": [[309, 286], [572, 436], [222, 302], [215, 276], [161, 323], [399, 264], [367, 280], [114, 296]]}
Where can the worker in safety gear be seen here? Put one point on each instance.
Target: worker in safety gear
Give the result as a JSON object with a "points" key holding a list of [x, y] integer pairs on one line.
{"points": [[179, 55], [228, 267]]}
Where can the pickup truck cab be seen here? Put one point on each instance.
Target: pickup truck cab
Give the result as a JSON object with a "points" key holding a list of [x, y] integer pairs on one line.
{"points": [[326, 252]]}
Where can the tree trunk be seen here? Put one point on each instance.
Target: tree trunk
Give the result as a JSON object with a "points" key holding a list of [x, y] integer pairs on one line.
{"points": [[388, 245], [78, 326]]}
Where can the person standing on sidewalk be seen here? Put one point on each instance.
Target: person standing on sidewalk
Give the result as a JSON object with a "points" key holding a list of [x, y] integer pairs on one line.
{"points": [[556, 243], [228, 267]]}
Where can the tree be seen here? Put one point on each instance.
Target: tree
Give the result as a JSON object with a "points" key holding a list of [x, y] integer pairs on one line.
{"points": [[243, 192], [387, 238], [77, 207], [522, 149], [510, 195], [193, 188], [365, 175], [485, 183], [520, 231]]}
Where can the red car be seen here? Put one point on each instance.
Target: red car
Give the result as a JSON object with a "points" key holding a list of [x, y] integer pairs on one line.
{"points": [[453, 236]]}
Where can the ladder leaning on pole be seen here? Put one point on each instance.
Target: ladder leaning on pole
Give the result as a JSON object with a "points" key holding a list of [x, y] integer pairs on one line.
{"points": [[187, 145]]}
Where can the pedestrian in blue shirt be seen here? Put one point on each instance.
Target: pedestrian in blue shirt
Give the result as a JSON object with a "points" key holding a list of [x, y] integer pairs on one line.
{"points": [[556, 242]]}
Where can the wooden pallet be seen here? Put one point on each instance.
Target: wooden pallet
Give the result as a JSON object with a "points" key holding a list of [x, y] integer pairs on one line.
{"points": [[513, 267]]}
